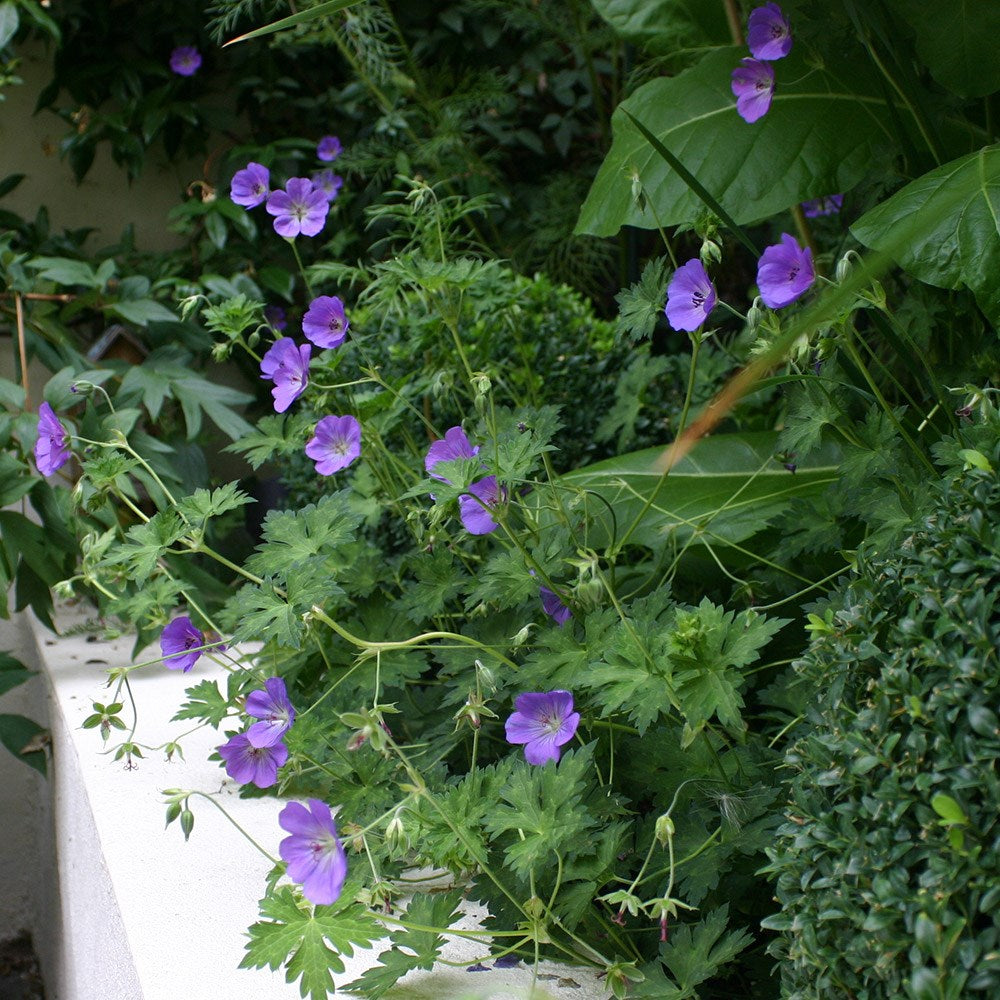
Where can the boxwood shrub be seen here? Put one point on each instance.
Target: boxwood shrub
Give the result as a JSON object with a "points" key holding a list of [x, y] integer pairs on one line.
{"points": [[888, 866]]}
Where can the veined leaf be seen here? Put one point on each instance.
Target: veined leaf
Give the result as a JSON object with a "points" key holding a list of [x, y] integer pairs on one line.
{"points": [[662, 25], [726, 490], [820, 137], [944, 227], [957, 41]]}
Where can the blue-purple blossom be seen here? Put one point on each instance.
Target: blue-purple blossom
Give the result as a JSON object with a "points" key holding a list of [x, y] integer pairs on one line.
{"points": [[52, 450], [287, 365], [553, 606], [276, 317], [250, 186], [335, 443], [768, 34], [299, 208], [753, 86], [328, 148], [476, 507], [452, 446], [543, 721], [328, 182], [313, 852], [179, 642], [274, 710], [185, 60], [785, 272], [247, 763], [325, 322], [690, 297], [827, 205]]}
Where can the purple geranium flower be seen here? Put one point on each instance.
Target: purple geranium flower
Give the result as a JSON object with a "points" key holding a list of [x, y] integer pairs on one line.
{"points": [[475, 507], [176, 642], [52, 449], [767, 33], [452, 446], [249, 186], [328, 148], [248, 763], [335, 443], [287, 365], [543, 721], [784, 272], [299, 208], [753, 85], [276, 317], [328, 182], [822, 206], [325, 323], [315, 856], [274, 710], [690, 296], [553, 606], [185, 60]]}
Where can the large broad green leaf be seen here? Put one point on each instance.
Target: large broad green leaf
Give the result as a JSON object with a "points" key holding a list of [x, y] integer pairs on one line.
{"points": [[727, 489], [820, 137], [663, 25], [943, 227], [957, 40]]}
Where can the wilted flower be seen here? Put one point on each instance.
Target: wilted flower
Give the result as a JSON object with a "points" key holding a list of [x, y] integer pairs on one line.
{"points": [[313, 852], [274, 710], [822, 206], [335, 443], [177, 641], [247, 763], [690, 297], [753, 86], [287, 365], [553, 606], [452, 446], [276, 317], [185, 60], [328, 182], [52, 450], [328, 148], [767, 33], [325, 322], [784, 272], [543, 721], [300, 208], [475, 507], [249, 186]]}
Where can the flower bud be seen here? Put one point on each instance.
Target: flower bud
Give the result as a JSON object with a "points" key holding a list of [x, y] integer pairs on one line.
{"points": [[710, 252], [664, 829], [843, 269]]}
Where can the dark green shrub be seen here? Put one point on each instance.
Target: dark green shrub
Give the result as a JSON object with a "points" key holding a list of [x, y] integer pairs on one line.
{"points": [[889, 865]]}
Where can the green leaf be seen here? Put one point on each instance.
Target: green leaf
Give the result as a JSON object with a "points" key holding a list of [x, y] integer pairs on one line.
{"points": [[421, 947], [203, 504], [943, 228], [141, 311], [309, 941], [696, 952], [641, 305], [322, 10], [664, 25], [819, 137], [949, 810], [728, 488], [275, 435], [17, 732], [12, 673], [64, 271], [545, 805], [9, 22], [256, 611], [146, 543], [957, 41], [205, 701]]}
